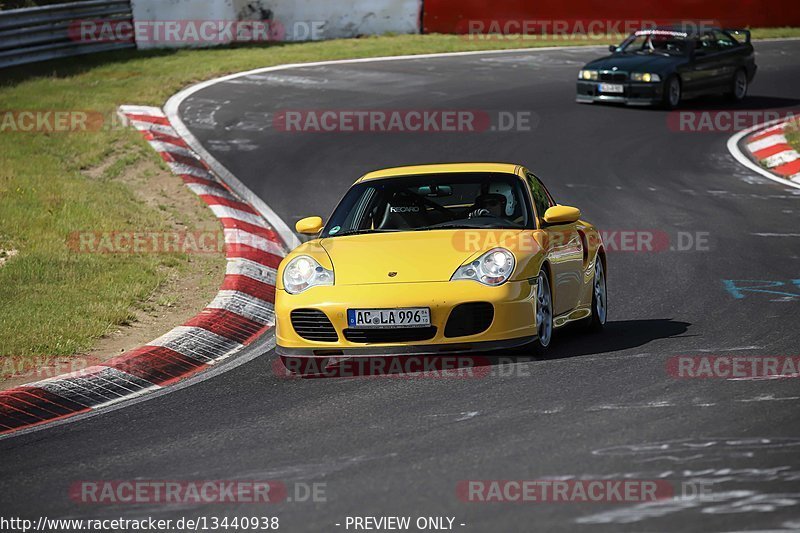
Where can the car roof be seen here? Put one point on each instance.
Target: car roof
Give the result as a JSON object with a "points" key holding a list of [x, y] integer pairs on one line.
{"points": [[687, 30], [417, 170]]}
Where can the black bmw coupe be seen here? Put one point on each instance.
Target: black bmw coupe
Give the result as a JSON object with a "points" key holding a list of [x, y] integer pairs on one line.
{"points": [[663, 66]]}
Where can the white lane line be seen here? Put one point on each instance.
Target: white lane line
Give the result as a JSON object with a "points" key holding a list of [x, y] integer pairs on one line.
{"points": [[776, 234]]}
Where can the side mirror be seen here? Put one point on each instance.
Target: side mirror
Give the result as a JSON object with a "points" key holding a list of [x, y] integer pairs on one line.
{"points": [[309, 226], [612, 48], [562, 214]]}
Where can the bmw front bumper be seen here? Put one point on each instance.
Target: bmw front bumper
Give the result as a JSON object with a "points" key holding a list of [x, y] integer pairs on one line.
{"points": [[634, 93]]}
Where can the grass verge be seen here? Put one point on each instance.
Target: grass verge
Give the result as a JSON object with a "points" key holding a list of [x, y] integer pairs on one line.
{"points": [[56, 302]]}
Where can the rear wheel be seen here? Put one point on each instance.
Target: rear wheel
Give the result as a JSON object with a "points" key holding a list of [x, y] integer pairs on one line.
{"points": [[599, 298], [544, 313]]}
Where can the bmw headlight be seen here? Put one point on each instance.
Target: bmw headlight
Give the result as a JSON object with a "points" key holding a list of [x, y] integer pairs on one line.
{"points": [[492, 268], [646, 77], [588, 75], [304, 272]]}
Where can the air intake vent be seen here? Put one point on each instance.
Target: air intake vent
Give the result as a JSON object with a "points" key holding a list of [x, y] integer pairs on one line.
{"points": [[313, 325], [469, 319], [389, 336]]}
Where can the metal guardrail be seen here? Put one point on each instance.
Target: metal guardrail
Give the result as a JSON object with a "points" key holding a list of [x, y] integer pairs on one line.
{"points": [[49, 32]]}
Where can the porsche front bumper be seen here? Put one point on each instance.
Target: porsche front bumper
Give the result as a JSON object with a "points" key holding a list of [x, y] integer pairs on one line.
{"points": [[513, 321]]}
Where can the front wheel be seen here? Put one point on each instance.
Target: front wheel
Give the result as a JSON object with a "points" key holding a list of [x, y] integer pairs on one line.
{"points": [[544, 313], [673, 92], [739, 87]]}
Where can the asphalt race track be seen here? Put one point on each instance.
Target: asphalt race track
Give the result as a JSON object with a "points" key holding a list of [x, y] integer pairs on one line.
{"points": [[393, 446]]}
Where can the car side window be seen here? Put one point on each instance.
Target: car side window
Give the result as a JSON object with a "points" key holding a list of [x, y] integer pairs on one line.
{"points": [[708, 43], [724, 41], [541, 199]]}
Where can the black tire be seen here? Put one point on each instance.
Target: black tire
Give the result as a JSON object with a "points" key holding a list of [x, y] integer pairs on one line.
{"points": [[544, 314], [673, 92], [739, 86], [597, 322]]}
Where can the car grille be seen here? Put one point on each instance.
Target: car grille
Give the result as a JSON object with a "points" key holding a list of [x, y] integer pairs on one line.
{"points": [[313, 325], [614, 76], [469, 319], [388, 336]]}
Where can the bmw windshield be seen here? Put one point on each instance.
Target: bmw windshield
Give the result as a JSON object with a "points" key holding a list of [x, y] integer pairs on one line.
{"points": [[656, 42], [440, 201]]}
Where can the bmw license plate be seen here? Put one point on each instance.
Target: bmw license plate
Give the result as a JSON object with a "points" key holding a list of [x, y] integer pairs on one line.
{"points": [[612, 88], [389, 318]]}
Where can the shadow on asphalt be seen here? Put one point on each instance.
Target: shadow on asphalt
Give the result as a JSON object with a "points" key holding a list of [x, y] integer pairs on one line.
{"points": [[570, 342], [617, 336]]}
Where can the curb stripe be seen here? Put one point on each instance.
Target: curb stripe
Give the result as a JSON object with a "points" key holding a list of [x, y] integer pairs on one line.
{"points": [[269, 234], [222, 211], [256, 271], [779, 160], [771, 150], [247, 285], [789, 169], [233, 204], [246, 306], [242, 311], [227, 324], [242, 251]]}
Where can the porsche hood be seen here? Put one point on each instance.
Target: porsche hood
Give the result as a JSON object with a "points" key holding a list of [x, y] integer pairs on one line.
{"points": [[408, 257]]}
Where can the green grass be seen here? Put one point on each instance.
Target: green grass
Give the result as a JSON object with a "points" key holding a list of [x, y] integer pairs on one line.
{"points": [[793, 135], [56, 302]]}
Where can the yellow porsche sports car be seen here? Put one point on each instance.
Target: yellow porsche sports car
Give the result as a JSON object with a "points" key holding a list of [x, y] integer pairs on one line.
{"points": [[437, 259]]}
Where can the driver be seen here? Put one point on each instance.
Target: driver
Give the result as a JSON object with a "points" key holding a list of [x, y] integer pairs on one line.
{"points": [[497, 202]]}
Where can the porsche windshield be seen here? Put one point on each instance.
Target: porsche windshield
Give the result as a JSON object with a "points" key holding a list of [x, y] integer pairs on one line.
{"points": [[440, 201], [656, 42]]}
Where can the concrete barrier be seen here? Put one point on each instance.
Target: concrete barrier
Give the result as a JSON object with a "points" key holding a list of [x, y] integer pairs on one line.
{"points": [[177, 24]]}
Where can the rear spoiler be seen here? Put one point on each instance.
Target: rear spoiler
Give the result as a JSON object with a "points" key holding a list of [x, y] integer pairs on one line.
{"points": [[739, 33]]}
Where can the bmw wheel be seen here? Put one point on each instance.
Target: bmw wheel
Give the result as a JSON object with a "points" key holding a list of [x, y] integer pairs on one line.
{"points": [[544, 312], [673, 92], [739, 87]]}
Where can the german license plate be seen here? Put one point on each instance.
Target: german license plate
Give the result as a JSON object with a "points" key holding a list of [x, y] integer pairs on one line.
{"points": [[417, 317], [612, 88]]}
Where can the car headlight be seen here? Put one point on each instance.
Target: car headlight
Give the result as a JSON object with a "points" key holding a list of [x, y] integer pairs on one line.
{"points": [[492, 268], [646, 77], [304, 272], [587, 75]]}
